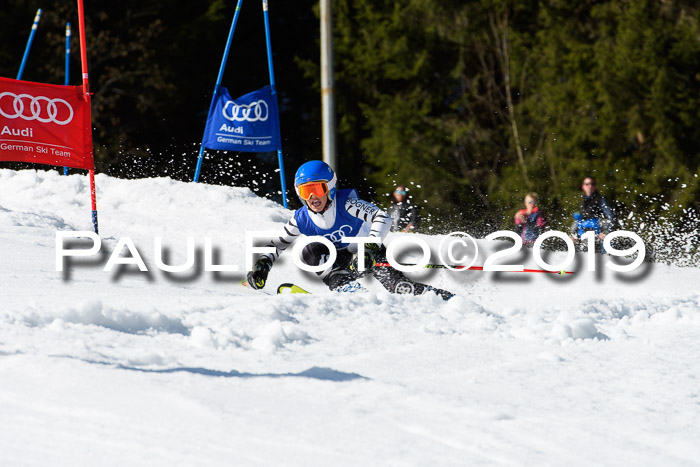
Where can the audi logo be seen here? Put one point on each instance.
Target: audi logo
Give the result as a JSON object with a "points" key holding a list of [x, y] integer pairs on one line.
{"points": [[339, 234], [41, 108], [242, 113]]}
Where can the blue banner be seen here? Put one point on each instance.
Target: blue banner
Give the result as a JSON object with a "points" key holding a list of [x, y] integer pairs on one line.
{"points": [[247, 124]]}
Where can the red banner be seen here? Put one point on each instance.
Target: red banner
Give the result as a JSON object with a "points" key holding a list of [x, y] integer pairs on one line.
{"points": [[45, 124]]}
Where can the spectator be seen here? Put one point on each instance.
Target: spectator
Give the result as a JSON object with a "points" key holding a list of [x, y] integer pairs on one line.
{"points": [[404, 214], [530, 222], [595, 212]]}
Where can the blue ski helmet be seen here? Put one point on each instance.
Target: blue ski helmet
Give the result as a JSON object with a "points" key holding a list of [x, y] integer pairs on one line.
{"points": [[315, 171]]}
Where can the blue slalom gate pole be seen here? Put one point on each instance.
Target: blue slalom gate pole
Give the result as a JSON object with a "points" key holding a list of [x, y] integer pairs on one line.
{"points": [[29, 43], [67, 78], [280, 161], [218, 83]]}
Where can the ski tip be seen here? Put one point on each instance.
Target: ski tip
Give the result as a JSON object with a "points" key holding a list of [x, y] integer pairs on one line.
{"points": [[290, 288]]}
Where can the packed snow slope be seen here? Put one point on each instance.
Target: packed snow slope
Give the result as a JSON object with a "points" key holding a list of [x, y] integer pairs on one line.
{"points": [[181, 369]]}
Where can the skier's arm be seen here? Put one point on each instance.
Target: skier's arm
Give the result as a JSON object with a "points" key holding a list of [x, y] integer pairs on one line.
{"points": [[258, 276], [368, 212], [289, 233]]}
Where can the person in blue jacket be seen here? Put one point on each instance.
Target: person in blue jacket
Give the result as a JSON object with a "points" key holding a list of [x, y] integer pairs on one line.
{"points": [[336, 214], [594, 213]]}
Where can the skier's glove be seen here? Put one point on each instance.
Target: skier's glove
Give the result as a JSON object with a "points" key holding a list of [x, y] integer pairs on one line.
{"points": [[258, 276], [372, 251]]}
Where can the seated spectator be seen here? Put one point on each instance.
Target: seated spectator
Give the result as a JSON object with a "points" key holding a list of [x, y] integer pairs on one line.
{"points": [[404, 214], [530, 222]]}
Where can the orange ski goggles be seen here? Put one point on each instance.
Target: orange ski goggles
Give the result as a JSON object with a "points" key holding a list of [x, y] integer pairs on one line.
{"points": [[319, 189]]}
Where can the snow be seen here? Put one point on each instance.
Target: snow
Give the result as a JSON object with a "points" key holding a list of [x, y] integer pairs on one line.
{"points": [[166, 369]]}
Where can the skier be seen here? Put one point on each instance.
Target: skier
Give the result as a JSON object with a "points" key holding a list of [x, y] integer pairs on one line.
{"points": [[336, 214], [594, 213]]}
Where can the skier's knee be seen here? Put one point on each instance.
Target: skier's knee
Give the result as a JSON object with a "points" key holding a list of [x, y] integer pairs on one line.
{"points": [[314, 254]]}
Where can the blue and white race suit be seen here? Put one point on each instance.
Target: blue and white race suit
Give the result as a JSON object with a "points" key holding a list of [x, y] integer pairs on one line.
{"points": [[346, 216]]}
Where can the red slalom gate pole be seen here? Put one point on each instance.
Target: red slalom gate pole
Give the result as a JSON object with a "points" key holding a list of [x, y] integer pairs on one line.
{"points": [[86, 93], [476, 268]]}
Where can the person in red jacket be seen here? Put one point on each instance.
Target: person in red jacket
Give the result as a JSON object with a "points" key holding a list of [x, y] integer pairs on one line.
{"points": [[530, 222]]}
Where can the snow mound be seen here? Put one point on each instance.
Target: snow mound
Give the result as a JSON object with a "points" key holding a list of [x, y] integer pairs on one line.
{"points": [[111, 368], [94, 313]]}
